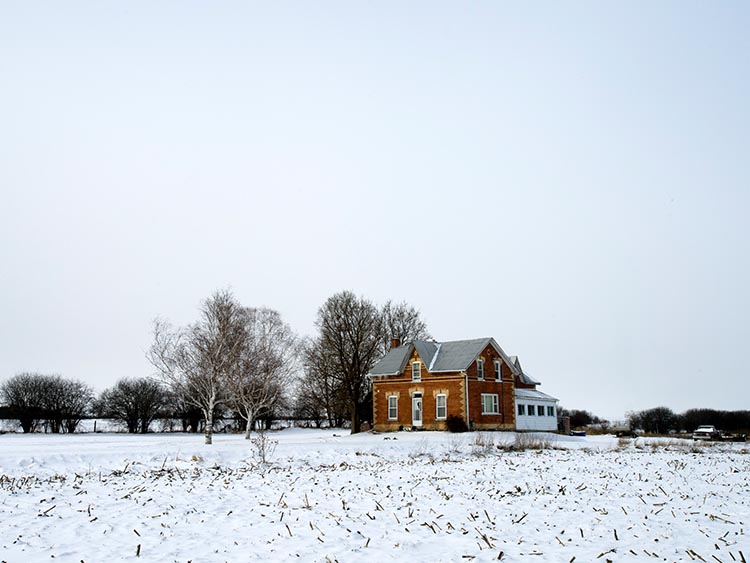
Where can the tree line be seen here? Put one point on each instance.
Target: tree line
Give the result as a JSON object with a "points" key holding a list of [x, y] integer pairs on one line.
{"points": [[234, 360], [51, 403], [46, 402], [663, 420]]}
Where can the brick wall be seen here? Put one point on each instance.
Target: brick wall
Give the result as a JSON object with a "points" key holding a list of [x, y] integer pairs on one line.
{"points": [[452, 385]]}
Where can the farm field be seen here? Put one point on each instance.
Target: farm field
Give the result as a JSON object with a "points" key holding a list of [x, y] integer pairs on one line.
{"points": [[327, 496]]}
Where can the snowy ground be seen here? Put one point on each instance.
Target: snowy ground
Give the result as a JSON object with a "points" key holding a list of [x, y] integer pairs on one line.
{"points": [[328, 496]]}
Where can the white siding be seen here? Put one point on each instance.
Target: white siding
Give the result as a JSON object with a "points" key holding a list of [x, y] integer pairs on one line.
{"points": [[535, 422]]}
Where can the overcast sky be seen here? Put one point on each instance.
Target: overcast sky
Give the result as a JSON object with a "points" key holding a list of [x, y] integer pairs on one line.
{"points": [[570, 178]]}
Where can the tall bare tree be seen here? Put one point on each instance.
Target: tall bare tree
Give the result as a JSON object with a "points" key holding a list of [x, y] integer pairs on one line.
{"points": [[350, 330], [401, 321], [198, 360], [267, 364]]}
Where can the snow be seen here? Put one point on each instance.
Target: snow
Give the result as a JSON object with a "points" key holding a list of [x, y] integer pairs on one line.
{"points": [[329, 496]]}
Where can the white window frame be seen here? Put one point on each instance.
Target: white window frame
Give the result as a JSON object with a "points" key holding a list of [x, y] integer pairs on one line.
{"points": [[540, 410], [495, 404], [480, 369], [416, 374], [550, 410], [521, 409], [444, 397], [498, 370], [393, 398], [531, 410]]}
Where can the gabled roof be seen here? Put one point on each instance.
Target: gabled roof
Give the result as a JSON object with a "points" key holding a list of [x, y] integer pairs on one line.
{"points": [[523, 376], [427, 351], [393, 362], [456, 355]]}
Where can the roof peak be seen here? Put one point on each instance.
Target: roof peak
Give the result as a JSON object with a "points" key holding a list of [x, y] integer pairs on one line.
{"points": [[441, 356], [436, 342]]}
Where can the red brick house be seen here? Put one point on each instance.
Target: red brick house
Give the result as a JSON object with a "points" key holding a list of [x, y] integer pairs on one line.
{"points": [[421, 383]]}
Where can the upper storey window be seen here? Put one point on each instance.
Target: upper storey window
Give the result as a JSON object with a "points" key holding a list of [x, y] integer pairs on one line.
{"points": [[416, 371]]}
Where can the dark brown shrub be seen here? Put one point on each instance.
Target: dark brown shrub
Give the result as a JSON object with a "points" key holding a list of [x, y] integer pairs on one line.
{"points": [[455, 424]]}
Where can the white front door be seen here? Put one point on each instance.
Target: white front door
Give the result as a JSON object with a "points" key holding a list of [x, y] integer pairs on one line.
{"points": [[416, 409]]}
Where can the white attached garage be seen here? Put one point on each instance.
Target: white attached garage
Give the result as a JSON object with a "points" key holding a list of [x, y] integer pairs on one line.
{"points": [[535, 410]]}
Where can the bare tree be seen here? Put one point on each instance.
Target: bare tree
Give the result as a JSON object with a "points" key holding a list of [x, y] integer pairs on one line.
{"points": [[268, 361], [134, 402], [179, 406], [350, 330], [197, 361], [320, 392], [53, 399], [77, 400], [353, 335], [401, 321], [34, 398], [22, 394], [659, 420]]}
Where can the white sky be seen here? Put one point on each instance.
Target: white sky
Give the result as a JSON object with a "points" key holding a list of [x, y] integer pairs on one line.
{"points": [[570, 178]]}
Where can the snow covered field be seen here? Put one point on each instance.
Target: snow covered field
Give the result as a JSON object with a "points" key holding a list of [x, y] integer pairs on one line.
{"points": [[328, 496]]}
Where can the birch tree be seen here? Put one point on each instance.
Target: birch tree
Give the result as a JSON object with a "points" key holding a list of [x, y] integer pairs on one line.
{"points": [[198, 360], [267, 365]]}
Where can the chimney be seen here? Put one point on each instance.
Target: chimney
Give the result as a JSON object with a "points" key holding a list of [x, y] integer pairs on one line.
{"points": [[395, 343]]}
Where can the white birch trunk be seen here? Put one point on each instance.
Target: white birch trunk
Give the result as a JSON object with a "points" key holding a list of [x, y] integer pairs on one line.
{"points": [[209, 414]]}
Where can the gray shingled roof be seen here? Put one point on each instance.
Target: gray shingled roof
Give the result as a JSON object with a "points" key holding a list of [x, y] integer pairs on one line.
{"points": [[393, 362], [426, 350], [523, 376], [458, 355], [439, 356]]}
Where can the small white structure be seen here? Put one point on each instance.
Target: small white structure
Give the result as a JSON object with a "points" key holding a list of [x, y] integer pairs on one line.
{"points": [[534, 410]]}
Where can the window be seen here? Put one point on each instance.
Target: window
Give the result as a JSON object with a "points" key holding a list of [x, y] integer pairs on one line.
{"points": [[498, 370], [550, 411], [441, 407], [416, 371], [532, 410], [490, 404], [540, 410], [393, 407], [480, 370], [521, 409]]}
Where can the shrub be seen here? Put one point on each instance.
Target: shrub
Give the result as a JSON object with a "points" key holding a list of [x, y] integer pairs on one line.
{"points": [[483, 444], [526, 441], [456, 424], [263, 447]]}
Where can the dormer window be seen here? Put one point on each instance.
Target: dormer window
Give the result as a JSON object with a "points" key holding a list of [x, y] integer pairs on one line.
{"points": [[480, 370], [498, 370], [416, 371]]}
